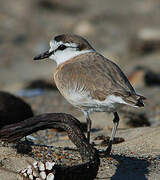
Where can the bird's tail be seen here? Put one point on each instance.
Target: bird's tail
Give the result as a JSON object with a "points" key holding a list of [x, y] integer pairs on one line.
{"points": [[135, 100], [140, 101]]}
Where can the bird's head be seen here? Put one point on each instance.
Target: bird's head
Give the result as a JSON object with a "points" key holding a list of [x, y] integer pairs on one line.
{"points": [[65, 47]]}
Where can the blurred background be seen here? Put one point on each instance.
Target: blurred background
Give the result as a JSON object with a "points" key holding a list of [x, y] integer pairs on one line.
{"points": [[127, 32]]}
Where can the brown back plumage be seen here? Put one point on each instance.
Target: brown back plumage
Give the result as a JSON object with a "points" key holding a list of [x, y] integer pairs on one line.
{"points": [[97, 75]]}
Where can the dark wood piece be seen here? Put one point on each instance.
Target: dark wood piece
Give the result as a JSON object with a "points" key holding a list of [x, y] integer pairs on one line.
{"points": [[87, 170]]}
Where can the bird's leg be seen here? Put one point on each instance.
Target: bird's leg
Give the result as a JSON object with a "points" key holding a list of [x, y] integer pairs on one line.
{"points": [[86, 114], [115, 125]]}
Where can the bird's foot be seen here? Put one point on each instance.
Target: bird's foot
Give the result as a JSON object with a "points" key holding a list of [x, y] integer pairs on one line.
{"points": [[106, 152]]}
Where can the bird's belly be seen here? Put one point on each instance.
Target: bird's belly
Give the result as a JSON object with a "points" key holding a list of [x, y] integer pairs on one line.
{"points": [[83, 101]]}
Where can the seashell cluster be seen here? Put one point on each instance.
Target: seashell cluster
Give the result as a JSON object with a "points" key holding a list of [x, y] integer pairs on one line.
{"points": [[39, 171]]}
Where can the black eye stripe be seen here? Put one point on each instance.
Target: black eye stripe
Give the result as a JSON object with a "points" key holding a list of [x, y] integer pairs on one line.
{"points": [[62, 47]]}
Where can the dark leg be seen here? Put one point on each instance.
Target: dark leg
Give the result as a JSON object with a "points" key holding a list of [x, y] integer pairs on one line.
{"points": [[115, 125], [86, 114]]}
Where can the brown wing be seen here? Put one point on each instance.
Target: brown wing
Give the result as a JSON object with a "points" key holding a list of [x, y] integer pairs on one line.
{"points": [[94, 73]]}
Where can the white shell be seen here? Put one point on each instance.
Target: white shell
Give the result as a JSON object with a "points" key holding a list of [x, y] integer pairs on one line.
{"points": [[30, 177], [49, 165], [41, 166], [35, 164], [25, 174], [43, 175], [35, 173], [50, 176]]}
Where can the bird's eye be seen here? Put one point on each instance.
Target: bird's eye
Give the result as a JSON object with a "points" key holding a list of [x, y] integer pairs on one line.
{"points": [[62, 47]]}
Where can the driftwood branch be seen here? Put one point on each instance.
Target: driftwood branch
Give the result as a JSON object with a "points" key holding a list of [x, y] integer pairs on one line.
{"points": [[16, 131], [87, 170]]}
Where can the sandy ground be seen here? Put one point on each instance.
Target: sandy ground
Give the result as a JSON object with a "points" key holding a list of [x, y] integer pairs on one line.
{"points": [[136, 158]]}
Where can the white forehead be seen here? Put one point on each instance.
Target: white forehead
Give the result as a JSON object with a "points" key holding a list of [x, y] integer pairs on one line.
{"points": [[54, 44]]}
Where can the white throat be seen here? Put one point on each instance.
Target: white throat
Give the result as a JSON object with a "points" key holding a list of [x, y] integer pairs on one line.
{"points": [[62, 56]]}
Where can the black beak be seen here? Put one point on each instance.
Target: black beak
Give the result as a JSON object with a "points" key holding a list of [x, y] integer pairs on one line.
{"points": [[43, 55]]}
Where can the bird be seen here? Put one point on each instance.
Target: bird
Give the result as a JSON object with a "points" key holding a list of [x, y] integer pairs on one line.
{"points": [[89, 81]]}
